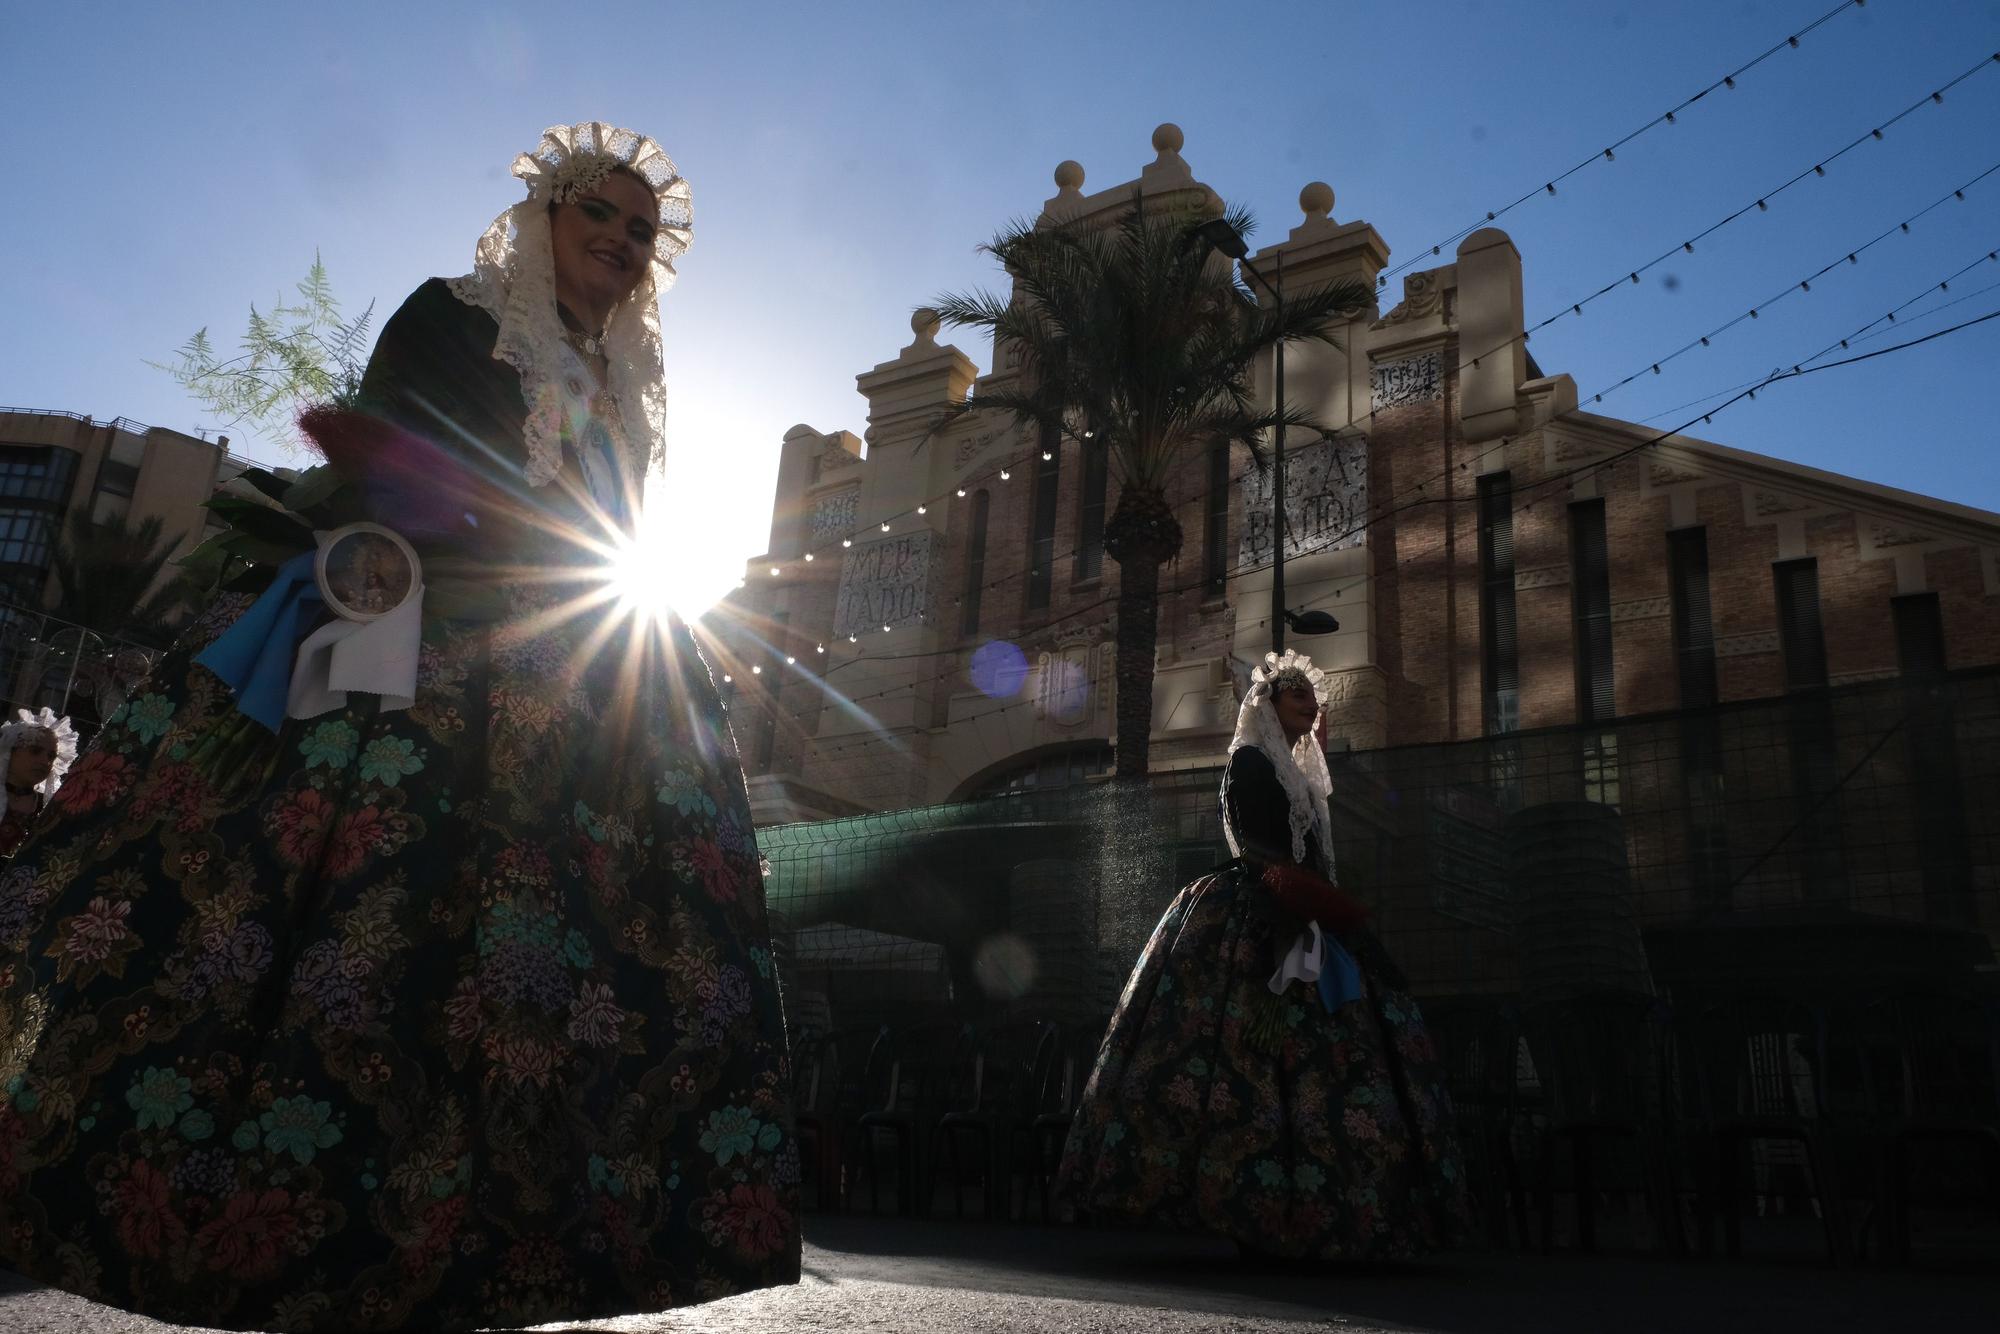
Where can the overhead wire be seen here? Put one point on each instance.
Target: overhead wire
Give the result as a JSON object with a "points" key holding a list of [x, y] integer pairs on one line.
{"points": [[1609, 153], [1559, 477], [1849, 257], [1002, 471]]}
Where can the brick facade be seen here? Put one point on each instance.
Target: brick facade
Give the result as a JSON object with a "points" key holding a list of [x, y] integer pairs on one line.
{"points": [[1443, 392]]}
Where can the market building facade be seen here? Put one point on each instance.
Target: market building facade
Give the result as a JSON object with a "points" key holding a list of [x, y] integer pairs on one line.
{"points": [[1538, 604]]}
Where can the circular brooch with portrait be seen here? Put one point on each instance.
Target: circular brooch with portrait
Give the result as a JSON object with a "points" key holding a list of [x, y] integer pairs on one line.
{"points": [[365, 571]]}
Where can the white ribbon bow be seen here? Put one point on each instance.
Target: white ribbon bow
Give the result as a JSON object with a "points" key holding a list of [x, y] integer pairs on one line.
{"points": [[1302, 962], [377, 657]]}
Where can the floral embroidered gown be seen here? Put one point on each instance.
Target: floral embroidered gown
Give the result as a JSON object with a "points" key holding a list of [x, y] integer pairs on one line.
{"points": [[1217, 1106], [459, 1015]]}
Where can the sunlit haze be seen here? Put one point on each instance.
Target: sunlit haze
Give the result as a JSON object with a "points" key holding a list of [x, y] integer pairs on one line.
{"points": [[174, 165]]}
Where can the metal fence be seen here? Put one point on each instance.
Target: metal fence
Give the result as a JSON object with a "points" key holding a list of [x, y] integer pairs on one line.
{"points": [[1818, 842], [77, 671]]}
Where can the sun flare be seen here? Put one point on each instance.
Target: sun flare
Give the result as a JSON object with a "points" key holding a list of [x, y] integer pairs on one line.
{"points": [[640, 575]]}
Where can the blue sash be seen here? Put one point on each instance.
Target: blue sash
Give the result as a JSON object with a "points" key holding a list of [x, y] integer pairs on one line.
{"points": [[254, 657]]}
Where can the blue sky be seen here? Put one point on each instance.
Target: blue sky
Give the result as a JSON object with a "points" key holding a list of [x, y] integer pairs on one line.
{"points": [[171, 164]]}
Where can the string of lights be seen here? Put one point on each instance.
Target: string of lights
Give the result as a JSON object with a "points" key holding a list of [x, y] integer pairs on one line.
{"points": [[1761, 204], [862, 740], [1882, 332], [1849, 258], [1003, 471], [1560, 477], [1609, 153]]}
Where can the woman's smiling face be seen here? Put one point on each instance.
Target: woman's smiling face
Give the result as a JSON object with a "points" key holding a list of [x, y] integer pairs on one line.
{"points": [[603, 240], [1297, 709]]}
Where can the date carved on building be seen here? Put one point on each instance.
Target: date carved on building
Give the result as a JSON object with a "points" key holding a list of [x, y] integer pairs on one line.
{"points": [[884, 583], [1411, 380], [1326, 501]]}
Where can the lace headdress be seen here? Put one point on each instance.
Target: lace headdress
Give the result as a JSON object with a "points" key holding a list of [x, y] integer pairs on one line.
{"points": [[513, 279], [61, 735], [1301, 766]]}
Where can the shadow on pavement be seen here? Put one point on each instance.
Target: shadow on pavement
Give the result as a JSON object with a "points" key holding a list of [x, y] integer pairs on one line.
{"points": [[1476, 1292]]}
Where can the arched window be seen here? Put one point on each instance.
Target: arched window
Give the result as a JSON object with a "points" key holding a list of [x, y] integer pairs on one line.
{"points": [[1042, 538], [975, 566], [1215, 553], [1090, 512]]}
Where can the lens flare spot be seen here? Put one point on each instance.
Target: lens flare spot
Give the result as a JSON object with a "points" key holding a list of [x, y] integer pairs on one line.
{"points": [[1004, 966], [999, 669]]}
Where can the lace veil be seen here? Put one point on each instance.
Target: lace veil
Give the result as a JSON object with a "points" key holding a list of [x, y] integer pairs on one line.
{"points": [[61, 735], [1302, 767], [513, 279]]}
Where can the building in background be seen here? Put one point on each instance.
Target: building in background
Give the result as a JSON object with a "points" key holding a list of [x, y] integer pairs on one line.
{"points": [[57, 468], [1769, 679]]}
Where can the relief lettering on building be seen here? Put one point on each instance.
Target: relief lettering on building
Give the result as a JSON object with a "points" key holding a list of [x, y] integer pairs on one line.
{"points": [[884, 582], [1411, 380], [833, 516], [1326, 501]]}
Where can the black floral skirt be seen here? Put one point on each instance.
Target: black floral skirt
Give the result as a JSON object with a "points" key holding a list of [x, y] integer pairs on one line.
{"points": [[1216, 1106], [452, 1016]]}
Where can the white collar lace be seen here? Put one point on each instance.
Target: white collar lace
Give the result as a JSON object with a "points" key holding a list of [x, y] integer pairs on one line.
{"points": [[61, 736], [1301, 767]]}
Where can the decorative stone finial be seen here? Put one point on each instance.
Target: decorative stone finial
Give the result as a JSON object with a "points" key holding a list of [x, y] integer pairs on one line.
{"points": [[925, 325], [1069, 175], [1168, 138], [1211, 203], [1316, 200]]}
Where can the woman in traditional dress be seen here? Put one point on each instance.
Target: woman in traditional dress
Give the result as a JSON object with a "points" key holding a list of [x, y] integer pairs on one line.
{"points": [[36, 750], [1266, 1077], [445, 1005]]}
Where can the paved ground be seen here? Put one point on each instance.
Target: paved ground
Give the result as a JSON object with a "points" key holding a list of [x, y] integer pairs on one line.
{"points": [[880, 1276]]}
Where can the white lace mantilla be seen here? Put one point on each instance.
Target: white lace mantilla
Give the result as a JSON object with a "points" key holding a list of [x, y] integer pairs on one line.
{"points": [[513, 279], [1301, 767]]}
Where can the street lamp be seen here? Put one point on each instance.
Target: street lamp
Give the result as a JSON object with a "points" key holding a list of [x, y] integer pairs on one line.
{"points": [[1225, 240]]}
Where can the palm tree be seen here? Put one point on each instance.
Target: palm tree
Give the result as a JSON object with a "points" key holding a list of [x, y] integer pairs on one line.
{"points": [[107, 573], [1138, 332]]}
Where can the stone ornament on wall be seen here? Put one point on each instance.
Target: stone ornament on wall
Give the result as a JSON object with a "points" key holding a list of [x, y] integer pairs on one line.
{"points": [[1641, 609], [972, 446], [885, 582], [1662, 475], [1065, 682], [834, 516], [1744, 646], [1326, 502], [1765, 504], [1411, 380], [1423, 295]]}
